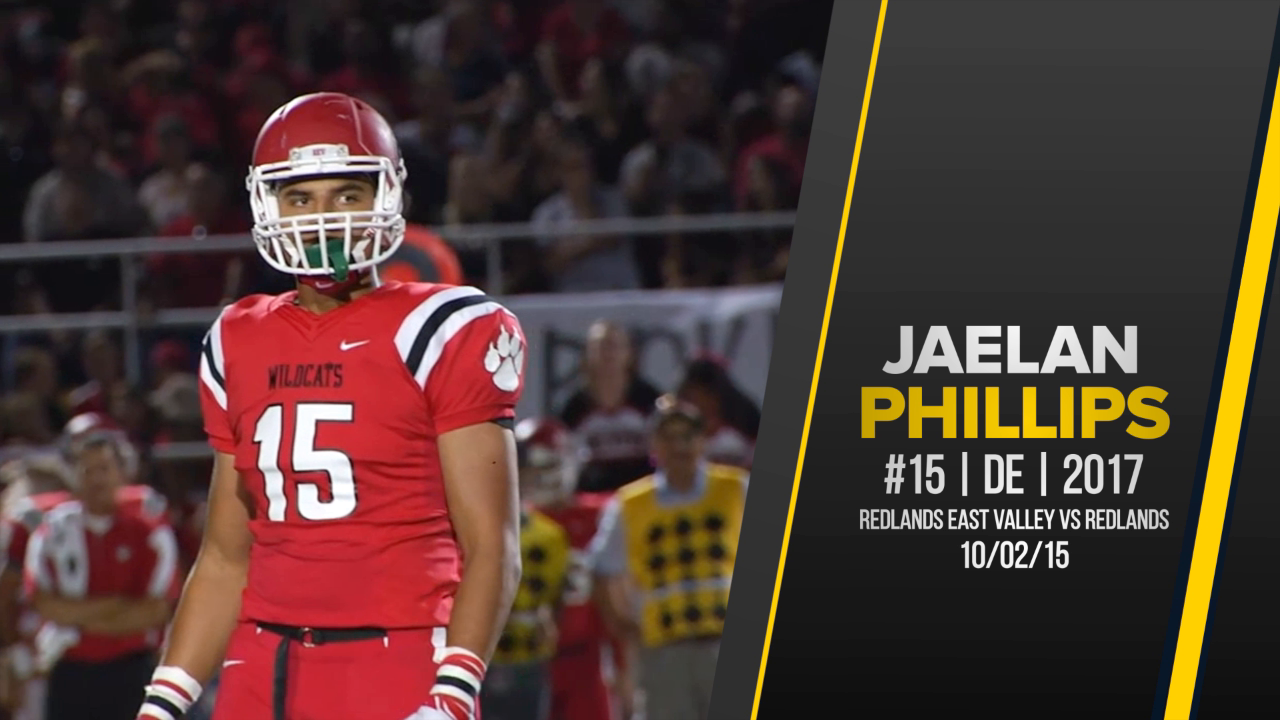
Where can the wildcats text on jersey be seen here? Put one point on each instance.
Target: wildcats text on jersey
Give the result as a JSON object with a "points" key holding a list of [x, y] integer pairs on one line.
{"points": [[305, 375]]}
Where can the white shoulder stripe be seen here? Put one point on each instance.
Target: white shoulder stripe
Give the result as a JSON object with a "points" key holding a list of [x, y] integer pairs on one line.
{"points": [[448, 329], [215, 388], [417, 318], [428, 328], [213, 363]]}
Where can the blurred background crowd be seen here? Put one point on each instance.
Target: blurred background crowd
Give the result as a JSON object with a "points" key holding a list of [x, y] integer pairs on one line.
{"points": [[125, 118], [136, 118]]}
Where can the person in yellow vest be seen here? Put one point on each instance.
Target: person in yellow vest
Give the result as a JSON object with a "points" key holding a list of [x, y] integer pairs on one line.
{"points": [[663, 559], [518, 683]]}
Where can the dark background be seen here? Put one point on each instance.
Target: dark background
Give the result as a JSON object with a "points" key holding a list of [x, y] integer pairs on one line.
{"points": [[1033, 164]]}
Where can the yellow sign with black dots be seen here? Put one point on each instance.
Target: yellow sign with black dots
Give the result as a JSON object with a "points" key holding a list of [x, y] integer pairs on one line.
{"points": [[681, 556]]}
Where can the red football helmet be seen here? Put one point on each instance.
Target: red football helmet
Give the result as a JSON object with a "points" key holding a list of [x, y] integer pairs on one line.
{"points": [[549, 461], [91, 425], [317, 135]]}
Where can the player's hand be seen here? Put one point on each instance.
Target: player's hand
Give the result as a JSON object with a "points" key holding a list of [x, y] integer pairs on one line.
{"points": [[457, 688]]}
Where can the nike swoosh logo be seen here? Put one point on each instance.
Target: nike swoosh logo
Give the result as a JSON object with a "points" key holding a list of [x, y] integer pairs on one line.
{"points": [[229, 663], [344, 346]]}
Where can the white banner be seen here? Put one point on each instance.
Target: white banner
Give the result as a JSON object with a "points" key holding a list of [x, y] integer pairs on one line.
{"points": [[668, 327]]}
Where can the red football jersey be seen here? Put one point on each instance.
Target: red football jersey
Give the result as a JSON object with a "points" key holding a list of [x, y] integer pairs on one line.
{"points": [[332, 420], [580, 621], [76, 556]]}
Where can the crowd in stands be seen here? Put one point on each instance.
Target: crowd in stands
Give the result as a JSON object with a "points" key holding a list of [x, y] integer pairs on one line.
{"points": [[135, 118], [128, 118]]}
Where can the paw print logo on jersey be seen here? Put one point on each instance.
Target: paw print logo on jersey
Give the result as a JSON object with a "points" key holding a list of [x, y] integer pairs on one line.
{"points": [[504, 360]]}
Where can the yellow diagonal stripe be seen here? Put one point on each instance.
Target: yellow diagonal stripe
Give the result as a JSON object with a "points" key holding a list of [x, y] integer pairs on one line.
{"points": [[1226, 430], [817, 364]]}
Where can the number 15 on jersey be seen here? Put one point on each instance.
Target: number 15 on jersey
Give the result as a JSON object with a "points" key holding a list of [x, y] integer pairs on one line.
{"points": [[305, 457]]}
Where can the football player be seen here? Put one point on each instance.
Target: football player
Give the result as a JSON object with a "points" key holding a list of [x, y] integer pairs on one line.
{"points": [[362, 543], [549, 465], [104, 579], [43, 483]]}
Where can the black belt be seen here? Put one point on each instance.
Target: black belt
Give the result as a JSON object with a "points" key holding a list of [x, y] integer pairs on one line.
{"points": [[309, 637]]}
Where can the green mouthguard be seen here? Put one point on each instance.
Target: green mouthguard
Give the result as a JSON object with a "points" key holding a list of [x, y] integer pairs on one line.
{"points": [[337, 258]]}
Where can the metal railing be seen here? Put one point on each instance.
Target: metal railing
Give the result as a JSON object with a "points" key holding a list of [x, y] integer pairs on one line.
{"points": [[488, 237]]}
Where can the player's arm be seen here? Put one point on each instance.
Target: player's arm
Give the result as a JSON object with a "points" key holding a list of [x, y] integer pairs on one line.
{"points": [[470, 375], [210, 603], [479, 466]]}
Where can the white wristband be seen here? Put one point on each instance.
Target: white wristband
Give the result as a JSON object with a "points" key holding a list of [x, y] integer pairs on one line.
{"points": [[171, 693], [460, 675]]}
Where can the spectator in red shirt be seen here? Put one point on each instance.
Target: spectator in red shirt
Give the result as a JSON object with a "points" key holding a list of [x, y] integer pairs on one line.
{"points": [[572, 34], [105, 579], [787, 145]]}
